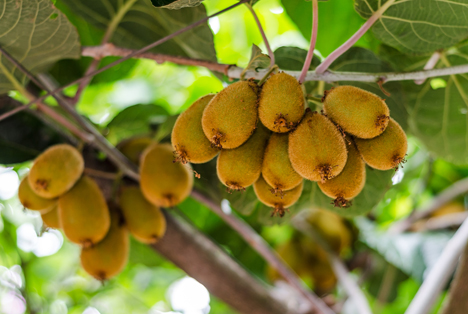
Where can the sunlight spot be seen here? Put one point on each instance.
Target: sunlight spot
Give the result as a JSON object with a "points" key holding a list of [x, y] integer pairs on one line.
{"points": [[438, 83], [91, 310], [398, 176], [277, 10], [214, 24], [226, 207], [189, 296], [9, 183]]}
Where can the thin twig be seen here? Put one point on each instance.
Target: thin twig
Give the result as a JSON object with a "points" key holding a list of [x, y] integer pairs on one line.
{"points": [[313, 40], [431, 63], [351, 41], [260, 245], [440, 273], [262, 32], [101, 174], [445, 221]]}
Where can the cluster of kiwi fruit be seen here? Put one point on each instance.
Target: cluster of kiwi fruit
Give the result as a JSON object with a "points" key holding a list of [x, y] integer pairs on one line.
{"points": [[265, 136], [68, 199]]}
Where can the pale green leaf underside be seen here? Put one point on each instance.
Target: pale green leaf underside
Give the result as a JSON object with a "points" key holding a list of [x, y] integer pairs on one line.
{"points": [[37, 35], [176, 5], [258, 60], [419, 26]]}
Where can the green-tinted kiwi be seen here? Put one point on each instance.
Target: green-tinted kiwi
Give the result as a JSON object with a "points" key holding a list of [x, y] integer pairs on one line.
{"points": [[349, 183], [240, 167], [385, 151], [281, 103], [281, 203], [188, 140], [317, 149], [132, 148], [277, 169], [231, 116], [356, 111]]}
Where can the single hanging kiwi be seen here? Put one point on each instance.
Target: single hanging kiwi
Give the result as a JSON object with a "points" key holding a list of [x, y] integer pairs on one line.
{"points": [[188, 140], [385, 151], [163, 182], [231, 116], [349, 183], [144, 220], [109, 257], [32, 201], [132, 148], [240, 167], [276, 168], [56, 170], [280, 204], [51, 218], [83, 213], [356, 111], [317, 149], [281, 103]]}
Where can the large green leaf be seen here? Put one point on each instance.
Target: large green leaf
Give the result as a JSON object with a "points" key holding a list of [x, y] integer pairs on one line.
{"points": [[143, 24], [175, 4], [418, 26], [37, 35]]}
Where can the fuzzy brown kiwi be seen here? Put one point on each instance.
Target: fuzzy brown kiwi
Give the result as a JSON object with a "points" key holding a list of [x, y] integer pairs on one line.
{"points": [[56, 170], [32, 201], [385, 151], [317, 149], [280, 204], [350, 182], [133, 148], [276, 168], [231, 116], [163, 182], [240, 167], [281, 103], [51, 218], [188, 140]]}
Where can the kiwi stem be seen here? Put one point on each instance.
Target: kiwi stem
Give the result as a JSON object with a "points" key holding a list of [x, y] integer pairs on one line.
{"points": [[265, 77], [431, 63], [313, 40], [262, 32]]}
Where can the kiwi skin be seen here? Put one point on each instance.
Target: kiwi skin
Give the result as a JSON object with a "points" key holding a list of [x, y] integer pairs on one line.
{"points": [[132, 148], [385, 151], [280, 204], [51, 219], [163, 182], [349, 183], [317, 149], [357, 111], [231, 116], [240, 167], [281, 103], [188, 140], [31, 200], [277, 169]]}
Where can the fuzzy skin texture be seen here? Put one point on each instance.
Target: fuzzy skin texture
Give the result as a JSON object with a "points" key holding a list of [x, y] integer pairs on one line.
{"points": [[133, 148], [163, 182], [109, 257], [317, 149], [350, 182], [356, 111], [231, 116], [83, 213], [240, 167], [56, 170], [51, 219], [188, 140], [385, 151], [32, 201], [281, 104], [277, 169], [145, 221]]}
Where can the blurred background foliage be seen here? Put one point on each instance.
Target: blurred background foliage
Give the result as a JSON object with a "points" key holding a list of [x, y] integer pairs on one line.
{"points": [[39, 269]]}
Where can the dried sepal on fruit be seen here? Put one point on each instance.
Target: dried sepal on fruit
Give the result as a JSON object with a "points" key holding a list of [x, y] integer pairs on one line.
{"points": [[31, 200], [280, 204]]}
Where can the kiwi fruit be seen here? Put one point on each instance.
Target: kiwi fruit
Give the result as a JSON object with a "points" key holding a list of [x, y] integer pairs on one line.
{"points": [[240, 167], [144, 220], [276, 168], [281, 104], [317, 149], [280, 204], [56, 170], [448, 209], [163, 182], [356, 111], [231, 116], [83, 213], [349, 183], [385, 151], [51, 218], [188, 140], [132, 148], [109, 257], [31, 200]]}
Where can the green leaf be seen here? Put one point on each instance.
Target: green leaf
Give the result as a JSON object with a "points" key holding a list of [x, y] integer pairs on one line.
{"points": [[143, 24], [293, 58], [418, 26], [36, 34], [243, 202], [258, 60], [175, 4]]}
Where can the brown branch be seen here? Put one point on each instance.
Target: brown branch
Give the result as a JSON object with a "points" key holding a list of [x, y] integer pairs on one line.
{"points": [[457, 299]]}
